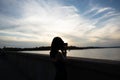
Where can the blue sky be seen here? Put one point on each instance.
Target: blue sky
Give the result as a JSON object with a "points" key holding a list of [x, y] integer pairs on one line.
{"points": [[30, 23]]}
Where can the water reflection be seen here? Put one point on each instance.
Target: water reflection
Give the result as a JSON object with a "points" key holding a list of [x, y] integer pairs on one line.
{"points": [[110, 54]]}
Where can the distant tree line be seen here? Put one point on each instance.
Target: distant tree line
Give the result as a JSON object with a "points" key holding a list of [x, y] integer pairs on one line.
{"points": [[48, 48], [25, 49]]}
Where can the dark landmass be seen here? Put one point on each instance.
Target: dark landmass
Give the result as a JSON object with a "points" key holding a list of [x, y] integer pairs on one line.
{"points": [[48, 48], [19, 66]]}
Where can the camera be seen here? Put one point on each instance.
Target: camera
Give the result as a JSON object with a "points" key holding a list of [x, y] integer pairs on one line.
{"points": [[65, 44]]}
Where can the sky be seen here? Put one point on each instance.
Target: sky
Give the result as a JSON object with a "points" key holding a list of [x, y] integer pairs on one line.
{"points": [[34, 23]]}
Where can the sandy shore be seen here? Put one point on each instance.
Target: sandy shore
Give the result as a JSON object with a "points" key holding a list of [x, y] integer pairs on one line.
{"points": [[25, 66]]}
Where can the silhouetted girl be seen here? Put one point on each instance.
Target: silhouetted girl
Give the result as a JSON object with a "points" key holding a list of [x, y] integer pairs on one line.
{"points": [[58, 57]]}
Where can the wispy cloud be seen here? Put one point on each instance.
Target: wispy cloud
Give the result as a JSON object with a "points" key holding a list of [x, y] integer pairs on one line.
{"points": [[41, 20]]}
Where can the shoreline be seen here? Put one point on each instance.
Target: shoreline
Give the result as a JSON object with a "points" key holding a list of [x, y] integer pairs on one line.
{"points": [[39, 67], [48, 48]]}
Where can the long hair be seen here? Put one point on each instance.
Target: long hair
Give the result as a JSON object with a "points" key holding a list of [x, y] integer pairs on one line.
{"points": [[56, 45]]}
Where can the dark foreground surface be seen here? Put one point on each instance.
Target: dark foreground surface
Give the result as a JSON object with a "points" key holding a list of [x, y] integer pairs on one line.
{"points": [[24, 66]]}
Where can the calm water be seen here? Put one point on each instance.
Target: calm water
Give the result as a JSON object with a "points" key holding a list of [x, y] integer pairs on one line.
{"points": [[108, 53]]}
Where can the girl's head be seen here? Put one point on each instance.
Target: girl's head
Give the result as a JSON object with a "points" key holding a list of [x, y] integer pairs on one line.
{"points": [[57, 43]]}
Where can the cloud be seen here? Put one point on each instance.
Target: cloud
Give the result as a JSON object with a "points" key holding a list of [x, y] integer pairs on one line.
{"points": [[40, 21], [103, 9], [108, 32], [39, 18]]}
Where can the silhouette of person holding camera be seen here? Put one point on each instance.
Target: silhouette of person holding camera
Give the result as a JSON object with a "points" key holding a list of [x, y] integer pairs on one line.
{"points": [[58, 57]]}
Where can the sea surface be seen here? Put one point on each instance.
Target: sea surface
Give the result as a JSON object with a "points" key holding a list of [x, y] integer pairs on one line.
{"points": [[105, 53]]}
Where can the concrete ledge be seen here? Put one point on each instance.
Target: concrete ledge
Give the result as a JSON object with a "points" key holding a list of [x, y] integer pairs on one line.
{"points": [[25, 66]]}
